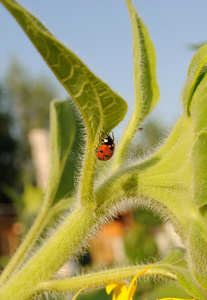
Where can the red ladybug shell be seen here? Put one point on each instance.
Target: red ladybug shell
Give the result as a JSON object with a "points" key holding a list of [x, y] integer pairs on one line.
{"points": [[105, 152]]}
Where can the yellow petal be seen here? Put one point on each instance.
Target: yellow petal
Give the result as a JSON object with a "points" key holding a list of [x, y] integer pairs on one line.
{"points": [[133, 285], [131, 291], [118, 289], [120, 293], [79, 292]]}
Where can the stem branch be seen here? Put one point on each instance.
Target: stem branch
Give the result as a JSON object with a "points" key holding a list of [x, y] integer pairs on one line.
{"points": [[102, 278], [67, 240]]}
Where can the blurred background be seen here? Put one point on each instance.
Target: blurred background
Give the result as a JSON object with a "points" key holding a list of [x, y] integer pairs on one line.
{"points": [[100, 34]]}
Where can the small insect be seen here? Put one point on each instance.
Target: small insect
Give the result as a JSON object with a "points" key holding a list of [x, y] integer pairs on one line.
{"points": [[106, 150]]}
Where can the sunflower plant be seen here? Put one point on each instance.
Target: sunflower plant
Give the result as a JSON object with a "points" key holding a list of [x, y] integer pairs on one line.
{"points": [[172, 182]]}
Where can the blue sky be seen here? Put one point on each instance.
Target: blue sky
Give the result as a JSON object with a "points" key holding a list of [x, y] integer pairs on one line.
{"points": [[99, 32]]}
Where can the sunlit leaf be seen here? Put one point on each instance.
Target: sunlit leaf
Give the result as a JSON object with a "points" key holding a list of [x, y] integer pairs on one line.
{"points": [[175, 263], [197, 251], [145, 80], [198, 107], [196, 72], [199, 160], [101, 108], [146, 89]]}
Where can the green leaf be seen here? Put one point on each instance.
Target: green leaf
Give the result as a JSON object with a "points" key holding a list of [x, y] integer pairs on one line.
{"points": [[159, 182], [100, 107], [199, 160], [198, 111], [197, 254], [175, 263], [145, 82], [169, 157], [196, 72], [65, 149], [32, 200], [198, 107]]}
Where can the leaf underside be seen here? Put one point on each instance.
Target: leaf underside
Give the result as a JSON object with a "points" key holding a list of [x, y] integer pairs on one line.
{"points": [[145, 81], [65, 148], [100, 107]]}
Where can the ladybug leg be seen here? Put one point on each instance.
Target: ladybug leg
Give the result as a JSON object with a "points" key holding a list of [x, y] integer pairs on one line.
{"points": [[96, 150], [100, 139]]}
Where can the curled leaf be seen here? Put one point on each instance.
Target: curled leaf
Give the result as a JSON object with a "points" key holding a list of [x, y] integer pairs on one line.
{"points": [[198, 107], [196, 72]]}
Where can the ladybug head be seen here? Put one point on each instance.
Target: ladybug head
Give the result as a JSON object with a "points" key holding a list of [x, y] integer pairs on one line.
{"points": [[108, 140]]}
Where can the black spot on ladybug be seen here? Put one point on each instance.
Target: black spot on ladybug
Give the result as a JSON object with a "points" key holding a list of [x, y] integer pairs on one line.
{"points": [[106, 150]]}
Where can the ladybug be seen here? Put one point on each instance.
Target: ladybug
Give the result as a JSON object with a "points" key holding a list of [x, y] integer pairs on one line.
{"points": [[106, 150]]}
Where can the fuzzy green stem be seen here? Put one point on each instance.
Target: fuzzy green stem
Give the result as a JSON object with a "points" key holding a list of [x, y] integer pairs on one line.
{"points": [[102, 278], [126, 139], [86, 183], [67, 240], [27, 244]]}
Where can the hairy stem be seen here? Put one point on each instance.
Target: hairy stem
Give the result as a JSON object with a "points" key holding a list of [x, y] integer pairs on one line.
{"points": [[86, 184], [68, 239], [126, 139], [27, 244], [102, 278]]}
